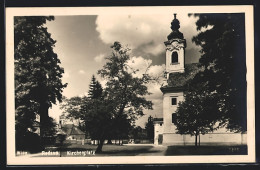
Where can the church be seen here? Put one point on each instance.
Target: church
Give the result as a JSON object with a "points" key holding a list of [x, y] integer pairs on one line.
{"points": [[177, 74]]}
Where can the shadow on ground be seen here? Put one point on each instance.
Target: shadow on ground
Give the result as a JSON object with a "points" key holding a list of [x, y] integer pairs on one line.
{"points": [[206, 150]]}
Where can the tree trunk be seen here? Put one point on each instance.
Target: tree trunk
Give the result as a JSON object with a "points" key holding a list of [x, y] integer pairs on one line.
{"points": [[196, 136], [199, 139], [44, 116], [100, 145], [109, 141]]}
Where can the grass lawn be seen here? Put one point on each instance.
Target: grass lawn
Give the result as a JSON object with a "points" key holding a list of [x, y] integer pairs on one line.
{"points": [[206, 150], [124, 150]]}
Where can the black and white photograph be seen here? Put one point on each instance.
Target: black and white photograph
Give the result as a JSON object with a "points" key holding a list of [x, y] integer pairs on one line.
{"points": [[130, 85]]}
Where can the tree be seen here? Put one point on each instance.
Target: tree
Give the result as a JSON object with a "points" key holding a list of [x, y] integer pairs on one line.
{"points": [[38, 73], [198, 114], [94, 111], [49, 131], [149, 127], [136, 133], [216, 97], [95, 88], [72, 106], [223, 57], [125, 91], [97, 119], [120, 133]]}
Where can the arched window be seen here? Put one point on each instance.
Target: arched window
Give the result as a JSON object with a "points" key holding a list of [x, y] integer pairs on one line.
{"points": [[174, 57]]}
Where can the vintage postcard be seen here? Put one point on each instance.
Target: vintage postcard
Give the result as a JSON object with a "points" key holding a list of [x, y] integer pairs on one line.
{"points": [[130, 85]]}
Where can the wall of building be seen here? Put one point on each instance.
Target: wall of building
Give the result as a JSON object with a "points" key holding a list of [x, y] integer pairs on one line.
{"points": [[207, 139], [169, 109]]}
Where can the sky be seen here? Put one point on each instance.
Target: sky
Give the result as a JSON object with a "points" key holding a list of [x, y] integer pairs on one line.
{"points": [[83, 42]]}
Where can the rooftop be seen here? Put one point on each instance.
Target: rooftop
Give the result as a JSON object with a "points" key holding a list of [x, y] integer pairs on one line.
{"points": [[71, 129], [181, 80]]}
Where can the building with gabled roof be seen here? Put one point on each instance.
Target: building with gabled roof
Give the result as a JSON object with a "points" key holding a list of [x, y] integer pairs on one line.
{"points": [[71, 130]]}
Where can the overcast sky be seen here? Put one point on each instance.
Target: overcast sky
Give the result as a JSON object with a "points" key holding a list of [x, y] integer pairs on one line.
{"points": [[83, 42]]}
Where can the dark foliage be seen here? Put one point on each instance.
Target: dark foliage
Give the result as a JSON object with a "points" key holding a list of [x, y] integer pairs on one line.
{"points": [[95, 89], [149, 127], [216, 95], [38, 74], [224, 60]]}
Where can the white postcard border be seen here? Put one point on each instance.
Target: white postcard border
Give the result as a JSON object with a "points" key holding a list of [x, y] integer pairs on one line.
{"points": [[10, 99]]}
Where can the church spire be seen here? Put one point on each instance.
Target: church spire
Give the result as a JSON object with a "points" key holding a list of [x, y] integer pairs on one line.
{"points": [[175, 25]]}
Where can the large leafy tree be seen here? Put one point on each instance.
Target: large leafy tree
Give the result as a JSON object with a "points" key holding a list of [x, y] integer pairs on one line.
{"points": [[224, 60], [38, 73], [199, 113], [126, 91]]}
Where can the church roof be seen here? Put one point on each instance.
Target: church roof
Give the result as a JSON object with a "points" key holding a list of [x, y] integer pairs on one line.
{"points": [[179, 81], [175, 34]]}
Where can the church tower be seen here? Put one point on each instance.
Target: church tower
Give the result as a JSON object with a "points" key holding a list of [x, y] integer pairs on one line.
{"points": [[175, 49], [172, 95]]}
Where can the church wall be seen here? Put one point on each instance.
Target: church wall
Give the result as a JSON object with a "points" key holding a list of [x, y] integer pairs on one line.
{"points": [[221, 136], [168, 109], [210, 138]]}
